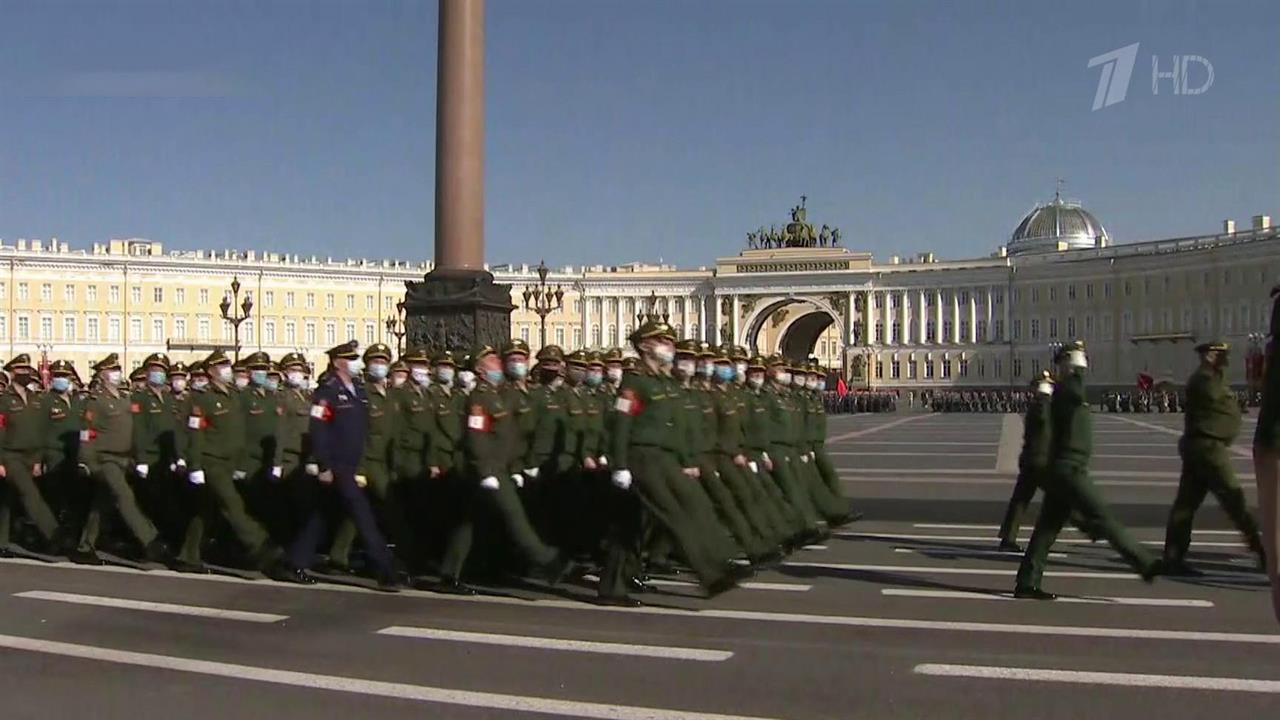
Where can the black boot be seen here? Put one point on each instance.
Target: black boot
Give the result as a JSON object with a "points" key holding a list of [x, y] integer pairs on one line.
{"points": [[1033, 594], [158, 552], [451, 586], [282, 571]]}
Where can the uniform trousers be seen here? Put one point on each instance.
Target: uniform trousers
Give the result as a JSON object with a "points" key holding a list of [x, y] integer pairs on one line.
{"points": [[112, 491], [351, 498], [1024, 489], [22, 488], [794, 488], [1206, 468], [729, 511], [505, 502], [220, 496], [389, 506], [758, 509], [1266, 468]]}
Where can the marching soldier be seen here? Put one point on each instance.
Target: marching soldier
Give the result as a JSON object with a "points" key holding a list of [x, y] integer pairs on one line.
{"points": [[260, 413], [64, 412], [1266, 453], [293, 441], [1211, 424], [447, 404], [108, 450], [155, 445], [1067, 485], [24, 429], [1033, 461], [217, 437]]}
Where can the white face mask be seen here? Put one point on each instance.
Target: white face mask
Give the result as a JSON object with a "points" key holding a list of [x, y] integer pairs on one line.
{"points": [[797, 380], [355, 367], [685, 367], [664, 354], [556, 382], [822, 385], [113, 377], [398, 379], [782, 377], [741, 370], [242, 381], [1077, 359], [445, 374], [467, 379], [614, 374], [179, 384], [1044, 388], [200, 383], [224, 373], [296, 379], [811, 383], [755, 381]]}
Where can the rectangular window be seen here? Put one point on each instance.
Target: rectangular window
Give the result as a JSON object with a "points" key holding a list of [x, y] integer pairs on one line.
{"points": [[524, 331], [897, 333], [1071, 292], [180, 296], [1017, 328], [1071, 328], [1088, 326], [368, 302], [369, 338], [560, 336], [1088, 291], [946, 368], [203, 329], [328, 301], [46, 292], [577, 337], [157, 295], [1227, 319], [204, 296], [288, 299], [946, 331], [1126, 323], [351, 301], [311, 300], [351, 332], [24, 328], [157, 330], [135, 328], [135, 294], [1053, 293], [1128, 288], [46, 328], [1017, 367], [911, 369], [246, 333], [113, 329], [1035, 328], [964, 367], [1035, 294], [69, 329], [269, 298], [928, 331], [91, 329], [269, 332], [290, 334], [1106, 290], [928, 368], [311, 334], [23, 291], [69, 294], [91, 293], [879, 369], [1244, 317], [1186, 320], [964, 330], [895, 368], [330, 334], [180, 328]]}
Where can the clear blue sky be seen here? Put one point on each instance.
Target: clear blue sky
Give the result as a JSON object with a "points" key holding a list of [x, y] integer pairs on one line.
{"points": [[623, 130]]}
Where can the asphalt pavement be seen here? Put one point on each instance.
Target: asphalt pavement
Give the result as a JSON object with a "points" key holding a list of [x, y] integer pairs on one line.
{"points": [[903, 615]]}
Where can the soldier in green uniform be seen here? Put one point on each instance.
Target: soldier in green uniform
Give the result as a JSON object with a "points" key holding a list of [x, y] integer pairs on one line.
{"points": [[399, 374], [649, 449], [24, 428], [546, 440], [260, 413], [782, 460], [64, 481], [1067, 486], [1033, 461], [447, 404], [155, 447], [217, 440], [389, 501], [298, 472], [1266, 452], [109, 445], [488, 452], [758, 431], [1211, 424], [825, 486]]}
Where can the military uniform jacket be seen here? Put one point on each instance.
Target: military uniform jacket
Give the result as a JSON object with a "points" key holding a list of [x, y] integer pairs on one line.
{"points": [[64, 415], [382, 427], [415, 427], [550, 420], [519, 401], [757, 425], [780, 408], [339, 425], [491, 433], [1036, 436], [1267, 433], [215, 428], [730, 406], [108, 426], [261, 411], [181, 408], [572, 448], [649, 414], [596, 405], [445, 443], [1212, 410], [700, 419], [1072, 424], [21, 420], [816, 427], [292, 436], [154, 427]]}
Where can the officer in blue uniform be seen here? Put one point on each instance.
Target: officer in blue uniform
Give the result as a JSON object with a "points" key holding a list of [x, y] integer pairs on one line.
{"points": [[339, 424]]}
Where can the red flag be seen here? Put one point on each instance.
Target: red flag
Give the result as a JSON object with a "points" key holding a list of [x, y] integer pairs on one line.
{"points": [[841, 388], [1145, 381]]}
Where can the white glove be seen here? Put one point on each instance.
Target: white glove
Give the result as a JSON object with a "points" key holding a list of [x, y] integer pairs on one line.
{"points": [[311, 469], [238, 475], [518, 479], [489, 483], [805, 458], [277, 472], [325, 477], [142, 470], [755, 468], [361, 481], [196, 477], [602, 461], [764, 456], [622, 478], [813, 455], [181, 463], [532, 473]]}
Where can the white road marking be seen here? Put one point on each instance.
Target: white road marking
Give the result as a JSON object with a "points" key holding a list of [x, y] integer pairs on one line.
{"points": [[1009, 446], [875, 429], [922, 570], [157, 607], [979, 538], [769, 586], [1239, 452], [813, 547], [962, 443], [966, 526], [1172, 682], [1083, 599], [986, 474], [1000, 481], [377, 688], [864, 453], [543, 643], [955, 551]]}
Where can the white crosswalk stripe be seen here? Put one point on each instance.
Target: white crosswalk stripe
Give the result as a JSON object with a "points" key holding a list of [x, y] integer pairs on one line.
{"points": [[156, 607], [981, 539], [974, 553], [928, 570], [1088, 677], [545, 643], [766, 586]]}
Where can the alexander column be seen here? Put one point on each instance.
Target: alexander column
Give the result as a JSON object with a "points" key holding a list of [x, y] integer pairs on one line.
{"points": [[458, 305]]}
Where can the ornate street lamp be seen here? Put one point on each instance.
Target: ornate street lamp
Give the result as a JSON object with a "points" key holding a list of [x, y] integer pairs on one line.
{"points": [[543, 300], [395, 327], [236, 312], [45, 348]]}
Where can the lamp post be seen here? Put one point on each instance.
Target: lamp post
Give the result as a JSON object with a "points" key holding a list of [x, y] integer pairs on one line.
{"points": [[652, 312], [543, 300], [395, 327], [45, 349], [235, 315]]}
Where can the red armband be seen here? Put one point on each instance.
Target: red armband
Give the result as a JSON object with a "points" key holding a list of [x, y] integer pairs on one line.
{"points": [[479, 420]]}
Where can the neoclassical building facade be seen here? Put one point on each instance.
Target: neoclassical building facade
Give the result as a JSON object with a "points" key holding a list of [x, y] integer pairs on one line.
{"points": [[907, 323]]}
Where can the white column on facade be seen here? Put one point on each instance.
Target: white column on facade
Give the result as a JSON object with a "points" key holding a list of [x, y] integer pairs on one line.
{"points": [[586, 318], [1004, 306], [904, 320], [713, 332], [922, 309], [735, 332], [973, 317], [955, 317], [618, 332], [991, 331], [937, 318], [872, 316]]}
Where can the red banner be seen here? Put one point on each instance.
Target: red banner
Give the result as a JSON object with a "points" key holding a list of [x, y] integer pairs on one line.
{"points": [[1145, 381]]}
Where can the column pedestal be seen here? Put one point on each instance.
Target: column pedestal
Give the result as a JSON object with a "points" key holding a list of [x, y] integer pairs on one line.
{"points": [[457, 310]]}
